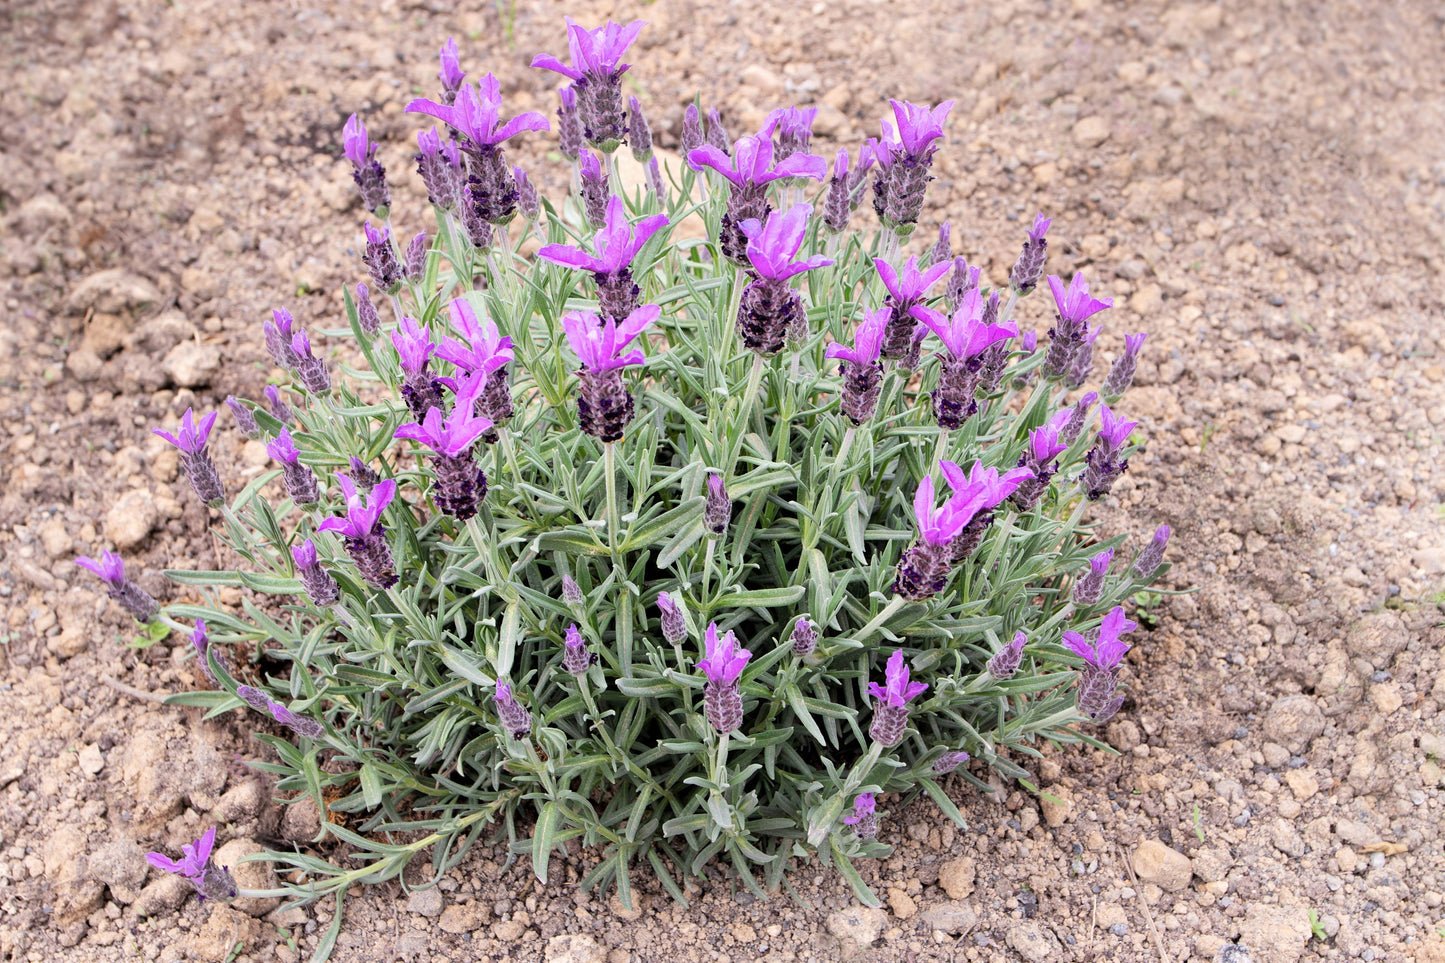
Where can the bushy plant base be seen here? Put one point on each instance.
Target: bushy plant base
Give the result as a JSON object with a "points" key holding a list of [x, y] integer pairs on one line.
{"points": [[472, 639]]}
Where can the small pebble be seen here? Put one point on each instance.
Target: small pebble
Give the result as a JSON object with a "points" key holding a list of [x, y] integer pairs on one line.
{"points": [[1120, 929]]}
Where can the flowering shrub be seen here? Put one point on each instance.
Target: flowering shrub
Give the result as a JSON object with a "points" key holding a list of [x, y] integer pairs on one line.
{"points": [[686, 550]]}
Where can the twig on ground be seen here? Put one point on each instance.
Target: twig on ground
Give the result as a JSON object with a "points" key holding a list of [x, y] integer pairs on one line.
{"points": [[1148, 915], [132, 691]]}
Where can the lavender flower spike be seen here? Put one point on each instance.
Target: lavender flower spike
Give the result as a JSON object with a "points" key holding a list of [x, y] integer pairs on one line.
{"points": [[1075, 307], [904, 161], [924, 568], [692, 136], [301, 725], [513, 715], [596, 77], [719, 508], [595, 190], [1083, 364], [451, 74], [975, 497], [836, 203], [656, 186], [749, 170], [278, 332], [197, 867], [794, 127], [618, 243], [300, 482], [1152, 557], [724, 663], [366, 317], [1030, 266], [771, 312], [1043, 447], [413, 263], [942, 251], [604, 405], [414, 348], [195, 459], [571, 593], [310, 370], [965, 335], [577, 660], [861, 370], [364, 535], [1089, 587], [864, 818], [460, 481], [279, 409], [367, 172], [1099, 679], [1103, 464], [1121, 373], [673, 622], [486, 355], [380, 258], [134, 599], [950, 761], [529, 204], [906, 290], [439, 163], [569, 125], [363, 476], [1078, 418], [245, 418], [962, 280], [717, 132], [320, 587], [805, 637], [201, 642], [1006, 661], [890, 709], [639, 135]]}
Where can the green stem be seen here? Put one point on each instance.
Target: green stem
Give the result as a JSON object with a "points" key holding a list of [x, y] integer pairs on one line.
{"points": [[609, 463], [750, 397]]}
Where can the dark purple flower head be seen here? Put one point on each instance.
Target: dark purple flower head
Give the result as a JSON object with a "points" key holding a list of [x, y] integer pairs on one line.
{"points": [[597, 344], [319, 584], [571, 594], [577, 659], [211, 881], [692, 137], [358, 146], [673, 622], [965, 334], [486, 349], [414, 346], [1113, 430], [717, 132], [773, 245], [866, 340], [719, 508], [751, 163], [1075, 305], [283, 449], [1089, 587], [452, 435], [864, 816], [245, 419], [1005, 662], [192, 437], [1109, 650], [476, 115], [596, 54], [950, 761], [1044, 443], [279, 409], [451, 74], [805, 637], [937, 526], [513, 715], [1078, 417], [898, 691], [617, 243], [918, 126], [1152, 557], [1121, 373], [794, 129], [362, 514], [110, 568], [304, 554], [911, 285], [725, 658], [569, 124]]}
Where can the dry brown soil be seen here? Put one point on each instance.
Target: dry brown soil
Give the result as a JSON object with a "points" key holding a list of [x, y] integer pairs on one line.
{"points": [[1261, 186]]}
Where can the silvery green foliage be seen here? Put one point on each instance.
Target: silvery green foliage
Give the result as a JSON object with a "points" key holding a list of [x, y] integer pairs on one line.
{"points": [[419, 685]]}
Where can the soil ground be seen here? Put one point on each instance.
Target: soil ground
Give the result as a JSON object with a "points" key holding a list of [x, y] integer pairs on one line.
{"points": [[1260, 186]]}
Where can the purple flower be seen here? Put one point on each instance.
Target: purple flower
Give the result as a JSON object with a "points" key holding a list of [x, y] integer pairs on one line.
{"points": [[1121, 374], [890, 709], [364, 535], [773, 245], [919, 125], [717, 132], [529, 204], [486, 349], [1006, 661], [245, 419], [942, 251], [1108, 651], [723, 665], [794, 127], [598, 344], [950, 761], [639, 135], [1089, 588], [1029, 342], [593, 184], [452, 435], [571, 594], [310, 370], [211, 881], [512, 714], [1113, 430], [318, 583], [460, 483], [903, 162], [414, 349], [201, 642], [861, 370], [476, 115], [279, 409], [134, 599], [278, 333], [1043, 447], [300, 482], [617, 243], [297, 723], [1152, 557], [751, 163], [380, 258], [804, 638], [367, 172], [975, 497], [655, 184], [414, 262], [864, 817], [937, 526], [439, 163], [451, 74], [1075, 307], [692, 136], [1030, 264], [596, 76], [195, 459], [569, 125], [1078, 418], [771, 312], [366, 317], [965, 334], [577, 659], [673, 622], [962, 280], [362, 475], [837, 203], [905, 291], [719, 508]]}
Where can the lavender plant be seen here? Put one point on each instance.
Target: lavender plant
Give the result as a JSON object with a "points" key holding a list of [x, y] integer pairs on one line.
{"points": [[614, 544]]}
